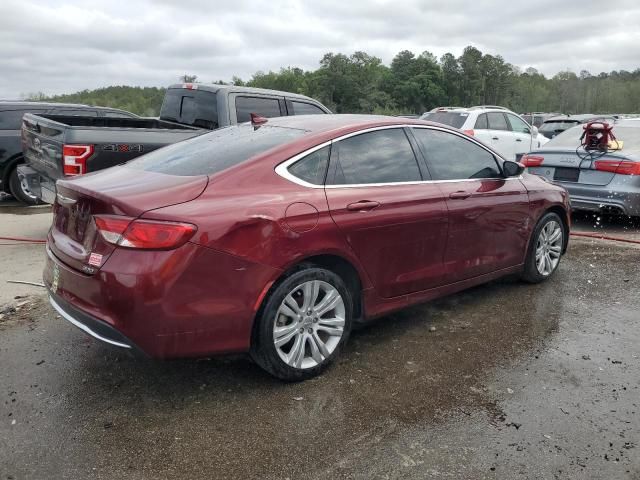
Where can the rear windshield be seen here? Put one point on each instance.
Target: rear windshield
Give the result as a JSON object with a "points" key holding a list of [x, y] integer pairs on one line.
{"points": [[197, 108], [12, 119], [216, 151], [560, 125], [453, 119], [570, 139]]}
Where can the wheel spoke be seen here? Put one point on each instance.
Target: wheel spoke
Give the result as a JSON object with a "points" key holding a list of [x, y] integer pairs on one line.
{"points": [[541, 264], [334, 331], [282, 335], [331, 322], [329, 302], [555, 251], [297, 352], [310, 292], [292, 306], [555, 236], [548, 267], [317, 341]]}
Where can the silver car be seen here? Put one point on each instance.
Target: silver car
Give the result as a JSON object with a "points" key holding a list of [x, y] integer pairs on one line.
{"points": [[607, 182]]}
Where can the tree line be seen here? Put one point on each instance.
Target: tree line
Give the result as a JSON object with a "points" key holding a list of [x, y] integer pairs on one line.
{"points": [[361, 83]]}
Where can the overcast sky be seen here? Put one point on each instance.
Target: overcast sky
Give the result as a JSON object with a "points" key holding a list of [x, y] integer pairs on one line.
{"points": [[62, 46]]}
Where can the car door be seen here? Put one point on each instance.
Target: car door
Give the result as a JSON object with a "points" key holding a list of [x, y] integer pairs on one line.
{"points": [[501, 138], [395, 222], [488, 214], [522, 135]]}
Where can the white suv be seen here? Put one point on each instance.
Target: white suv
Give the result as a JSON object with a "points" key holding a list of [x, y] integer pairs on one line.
{"points": [[498, 127]]}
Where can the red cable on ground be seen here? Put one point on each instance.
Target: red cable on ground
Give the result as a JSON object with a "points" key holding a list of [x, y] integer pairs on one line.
{"points": [[603, 237], [20, 239]]}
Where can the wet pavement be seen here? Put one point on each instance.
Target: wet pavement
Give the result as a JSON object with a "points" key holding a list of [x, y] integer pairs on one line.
{"points": [[516, 381]]}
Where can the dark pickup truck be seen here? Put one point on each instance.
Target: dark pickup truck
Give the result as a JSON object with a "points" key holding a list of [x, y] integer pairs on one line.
{"points": [[59, 146]]}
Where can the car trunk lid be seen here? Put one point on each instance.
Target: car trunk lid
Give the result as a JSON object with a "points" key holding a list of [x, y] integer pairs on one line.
{"points": [[74, 237], [567, 166]]}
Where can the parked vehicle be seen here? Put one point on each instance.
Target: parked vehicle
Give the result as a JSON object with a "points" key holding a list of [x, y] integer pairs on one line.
{"points": [[59, 146], [537, 118], [276, 238], [596, 181], [556, 125], [11, 113], [499, 127]]}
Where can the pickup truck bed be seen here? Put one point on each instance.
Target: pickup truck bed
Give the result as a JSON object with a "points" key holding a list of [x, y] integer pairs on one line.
{"points": [[57, 146]]}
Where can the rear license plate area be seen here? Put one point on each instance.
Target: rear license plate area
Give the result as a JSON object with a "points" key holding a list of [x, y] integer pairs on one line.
{"points": [[563, 174]]}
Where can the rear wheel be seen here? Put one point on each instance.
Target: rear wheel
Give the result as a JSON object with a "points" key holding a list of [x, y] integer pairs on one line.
{"points": [[20, 189], [545, 249], [304, 324]]}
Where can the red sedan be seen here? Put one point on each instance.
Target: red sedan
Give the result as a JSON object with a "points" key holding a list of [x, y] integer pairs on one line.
{"points": [[274, 238]]}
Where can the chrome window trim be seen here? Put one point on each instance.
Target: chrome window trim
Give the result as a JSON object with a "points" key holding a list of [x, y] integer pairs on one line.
{"points": [[282, 168]]}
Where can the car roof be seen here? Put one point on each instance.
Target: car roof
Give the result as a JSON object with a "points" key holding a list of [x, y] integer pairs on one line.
{"points": [[578, 117], [238, 89], [344, 121]]}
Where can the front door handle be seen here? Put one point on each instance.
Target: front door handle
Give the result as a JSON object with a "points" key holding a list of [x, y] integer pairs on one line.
{"points": [[518, 139], [461, 195], [495, 138], [362, 206]]}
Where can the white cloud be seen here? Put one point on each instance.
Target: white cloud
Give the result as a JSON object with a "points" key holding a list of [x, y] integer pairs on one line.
{"points": [[70, 45]]}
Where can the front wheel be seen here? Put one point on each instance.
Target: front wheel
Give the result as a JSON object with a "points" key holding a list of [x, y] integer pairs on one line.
{"points": [[20, 189], [304, 324], [545, 249]]}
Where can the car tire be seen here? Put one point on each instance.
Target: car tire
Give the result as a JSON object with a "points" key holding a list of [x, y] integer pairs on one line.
{"points": [[19, 190], [545, 249], [304, 323]]}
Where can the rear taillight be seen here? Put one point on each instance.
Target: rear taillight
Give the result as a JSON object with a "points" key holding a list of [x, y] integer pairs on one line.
{"points": [[621, 167], [469, 132], [74, 158], [531, 160], [143, 234]]}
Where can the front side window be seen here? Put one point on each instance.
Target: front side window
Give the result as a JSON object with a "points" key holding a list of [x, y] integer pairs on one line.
{"points": [[518, 125], [497, 121], [265, 107], [382, 156], [452, 157], [313, 167], [303, 108]]}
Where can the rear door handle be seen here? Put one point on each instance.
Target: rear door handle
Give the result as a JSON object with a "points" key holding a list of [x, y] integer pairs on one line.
{"points": [[362, 206], [461, 195], [495, 138], [518, 139]]}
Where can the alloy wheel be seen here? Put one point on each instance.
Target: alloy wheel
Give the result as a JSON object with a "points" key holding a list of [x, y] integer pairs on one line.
{"points": [[309, 324], [549, 248]]}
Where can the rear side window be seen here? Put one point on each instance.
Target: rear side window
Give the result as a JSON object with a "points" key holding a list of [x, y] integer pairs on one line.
{"points": [[313, 167], [216, 151], [265, 107], [452, 157], [453, 119], [302, 108], [497, 121], [198, 108], [12, 119], [481, 122], [75, 111], [559, 126], [383, 156]]}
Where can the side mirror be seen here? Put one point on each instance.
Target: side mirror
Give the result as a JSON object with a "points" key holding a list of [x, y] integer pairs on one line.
{"points": [[512, 169], [534, 131]]}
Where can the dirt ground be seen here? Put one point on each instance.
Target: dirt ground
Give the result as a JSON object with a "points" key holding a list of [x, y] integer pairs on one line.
{"points": [[516, 381]]}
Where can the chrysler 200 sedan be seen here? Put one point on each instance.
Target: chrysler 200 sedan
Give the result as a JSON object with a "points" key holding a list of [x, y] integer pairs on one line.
{"points": [[275, 237]]}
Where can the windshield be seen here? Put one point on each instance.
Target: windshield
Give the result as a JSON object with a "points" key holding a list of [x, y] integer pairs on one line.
{"points": [[453, 119], [216, 151], [629, 135], [197, 108]]}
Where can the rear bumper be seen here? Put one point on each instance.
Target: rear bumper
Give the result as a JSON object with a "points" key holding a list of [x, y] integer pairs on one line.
{"points": [[96, 328], [188, 302], [604, 199], [42, 187]]}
